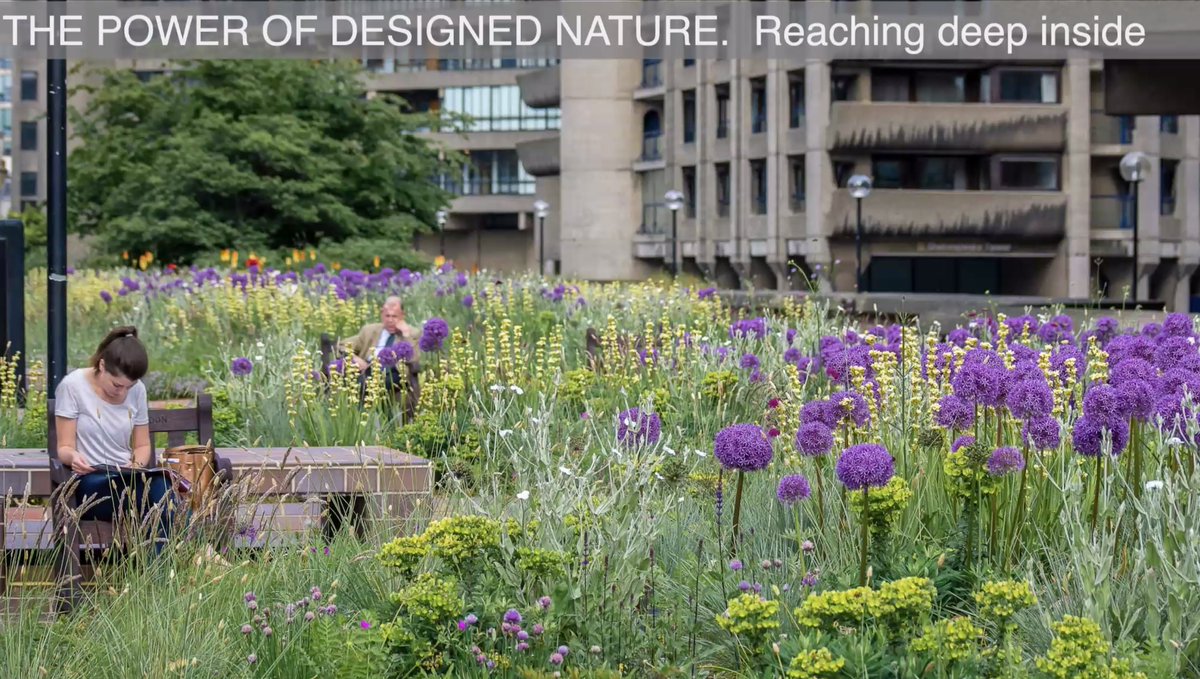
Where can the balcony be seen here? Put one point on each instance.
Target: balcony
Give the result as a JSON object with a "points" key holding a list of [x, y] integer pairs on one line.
{"points": [[542, 88], [540, 157], [651, 148], [1109, 130], [651, 73], [958, 127], [1028, 215], [1112, 212]]}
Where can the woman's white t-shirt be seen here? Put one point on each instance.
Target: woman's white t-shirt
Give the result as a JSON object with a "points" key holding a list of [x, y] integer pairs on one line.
{"points": [[103, 431]]}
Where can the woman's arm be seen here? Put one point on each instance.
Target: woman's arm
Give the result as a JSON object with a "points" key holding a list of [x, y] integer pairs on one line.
{"points": [[141, 445], [68, 455]]}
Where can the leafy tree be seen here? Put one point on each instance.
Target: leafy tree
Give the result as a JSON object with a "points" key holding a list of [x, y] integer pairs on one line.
{"points": [[251, 154]]}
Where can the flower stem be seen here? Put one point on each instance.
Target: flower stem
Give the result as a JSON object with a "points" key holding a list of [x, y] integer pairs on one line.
{"points": [[866, 517], [737, 515], [820, 495], [1137, 458], [1014, 530], [1096, 494]]}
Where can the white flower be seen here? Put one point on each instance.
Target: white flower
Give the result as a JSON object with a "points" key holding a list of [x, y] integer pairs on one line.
{"points": [[517, 390], [1154, 485], [505, 432], [565, 471], [259, 344], [258, 358], [523, 495], [496, 388], [668, 449], [1174, 441], [535, 420], [701, 453]]}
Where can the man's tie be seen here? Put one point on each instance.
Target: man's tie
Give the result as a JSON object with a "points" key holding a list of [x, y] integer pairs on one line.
{"points": [[391, 338]]}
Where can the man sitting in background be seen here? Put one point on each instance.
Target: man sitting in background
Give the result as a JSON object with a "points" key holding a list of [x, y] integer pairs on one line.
{"points": [[396, 335]]}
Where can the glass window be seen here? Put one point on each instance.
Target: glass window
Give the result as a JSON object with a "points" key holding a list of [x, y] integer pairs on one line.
{"points": [[889, 173], [29, 184], [29, 85], [689, 189], [890, 86], [845, 87], [940, 174], [655, 215], [1167, 186], [722, 171], [689, 116], [1035, 87], [5, 120], [29, 135], [758, 186], [933, 86], [795, 100], [5, 86], [1040, 174], [498, 109], [758, 105], [722, 111], [1169, 124], [796, 167], [487, 173]]}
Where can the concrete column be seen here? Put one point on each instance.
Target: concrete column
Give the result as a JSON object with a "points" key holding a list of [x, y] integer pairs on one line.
{"points": [[1078, 179], [596, 152], [818, 173], [1147, 139], [777, 169], [1188, 210], [739, 129], [705, 181]]}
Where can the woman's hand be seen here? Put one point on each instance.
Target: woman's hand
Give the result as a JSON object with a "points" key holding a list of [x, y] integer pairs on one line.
{"points": [[79, 465]]}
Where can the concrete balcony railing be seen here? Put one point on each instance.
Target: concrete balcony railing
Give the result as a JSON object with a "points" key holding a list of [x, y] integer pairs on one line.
{"points": [[1111, 130], [542, 88], [967, 127], [1030, 215], [1112, 212], [540, 157]]}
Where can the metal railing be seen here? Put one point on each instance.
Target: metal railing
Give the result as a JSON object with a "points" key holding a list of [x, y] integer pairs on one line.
{"points": [[652, 147]]}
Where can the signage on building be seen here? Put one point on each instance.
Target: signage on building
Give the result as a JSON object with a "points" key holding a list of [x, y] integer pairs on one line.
{"points": [[964, 247]]}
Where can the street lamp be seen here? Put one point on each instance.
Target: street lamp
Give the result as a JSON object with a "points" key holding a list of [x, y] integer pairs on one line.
{"points": [[441, 220], [674, 202], [540, 209], [1134, 168], [860, 187]]}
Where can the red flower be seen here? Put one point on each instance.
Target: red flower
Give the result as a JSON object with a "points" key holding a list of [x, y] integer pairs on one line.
{"points": [[773, 403], [773, 433]]}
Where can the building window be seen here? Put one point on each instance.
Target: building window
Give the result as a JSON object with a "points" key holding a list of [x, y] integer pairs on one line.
{"points": [[758, 105], [1169, 124], [1166, 187], [689, 116], [689, 189], [29, 85], [795, 99], [1026, 173], [845, 87], [944, 275], [29, 184], [928, 173], [796, 182], [29, 136], [147, 76], [488, 173], [654, 208], [758, 187], [722, 92], [722, 172], [498, 109], [651, 136], [1026, 87], [651, 72], [918, 86], [843, 170], [688, 63]]}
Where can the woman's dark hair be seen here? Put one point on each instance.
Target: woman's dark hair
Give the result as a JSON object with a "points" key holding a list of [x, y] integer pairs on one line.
{"points": [[123, 354]]}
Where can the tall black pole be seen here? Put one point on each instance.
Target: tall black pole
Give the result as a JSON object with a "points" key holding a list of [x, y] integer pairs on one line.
{"points": [[674, 241], [858, 236], [56, 214], [442, 239], [1133, 204], [541, 245]]}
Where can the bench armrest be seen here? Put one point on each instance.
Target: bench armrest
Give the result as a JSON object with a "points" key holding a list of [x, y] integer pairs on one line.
{"points": [[59, 474], [224, 468]]}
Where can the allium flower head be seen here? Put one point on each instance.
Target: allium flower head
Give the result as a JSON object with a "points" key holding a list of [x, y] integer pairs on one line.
{"points": [[1030, 398], [1178, 325], [1135, 399], [792, 489], [1171, 351], [1043, 433], [814, 438], [1005, 461], [1132, 368], [512, 617], [749, 362], [961, 442], [857, 410], [387, 358], [241, 366], [636, 428], [1100, 404], [744, 447], [863, 465], [955, 413], [825, 412], [1088, 436]]}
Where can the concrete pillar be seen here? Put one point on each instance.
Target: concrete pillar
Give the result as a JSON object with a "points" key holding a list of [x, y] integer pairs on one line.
{"points": [[596, 151], [1147, 139], [1188, 210], [739, 130], [777, 179], [818, 179], [705, 181], [1077, 244]]}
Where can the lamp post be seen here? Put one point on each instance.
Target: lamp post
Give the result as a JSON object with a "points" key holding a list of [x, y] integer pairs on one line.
{"points": [[540, 209], [860, 187], [1134, 168], [674, 202], [442, 215]]}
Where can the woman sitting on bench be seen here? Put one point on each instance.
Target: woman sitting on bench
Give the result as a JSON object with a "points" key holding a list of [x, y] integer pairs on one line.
{"points": [[103, 426]]}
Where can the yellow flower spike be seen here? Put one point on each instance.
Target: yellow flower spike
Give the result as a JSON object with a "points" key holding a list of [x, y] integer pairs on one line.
{"points": [[225, 255], [337, 266], [312, 254], [439, 260], [376, 261]]}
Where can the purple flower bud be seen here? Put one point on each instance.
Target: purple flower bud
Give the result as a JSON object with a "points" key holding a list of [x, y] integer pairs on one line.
{"points": [[471, 619], [744, 586], [522, 636], [538, 629], [252, 658], [267, 631], [522, 647], [309, 616], [556, 659], [246, 629], [735, 565], [564, 651], [808, 546], [544, 602]]}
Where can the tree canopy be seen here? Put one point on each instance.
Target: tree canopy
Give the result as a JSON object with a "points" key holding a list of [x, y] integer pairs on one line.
{"points": [[250, 154]]}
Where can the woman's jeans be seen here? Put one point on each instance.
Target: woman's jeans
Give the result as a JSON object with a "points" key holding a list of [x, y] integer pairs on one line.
{"points": [[141, 494]]}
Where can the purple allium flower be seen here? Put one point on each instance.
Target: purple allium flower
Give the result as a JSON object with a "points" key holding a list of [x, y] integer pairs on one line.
{"points": [[744, 585], [814, 438], [960, 442], [1088, 436], [249, 596], [246, 629], [1171, 352], [253, 605], [1175, 415], [471, 619], [545, 602], [859, 412], [807, 547], [404, 351], [522, 647], [512, 617], [1100, 403], [1178, 325], [468, 301], [309, 616], [506, 628], [461, 280], [1135, 398], [252, 658], [792, 489], [387, 358], [809, 580], [744, 447], [1005, 461], [1030, 398], [790, 335], [748, 327], [978, 382], [863, 465], [749, 362], [556, 659], [564, 651], [267, 631], [1179, 380], [106, 296], [435, 331], [537, 629], [825, 412], [635, 428], [706, 293], [462, 625], [315, 593], [522, 636], [735, 565], [955, 413], [1132, 368], [241, 366]]}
